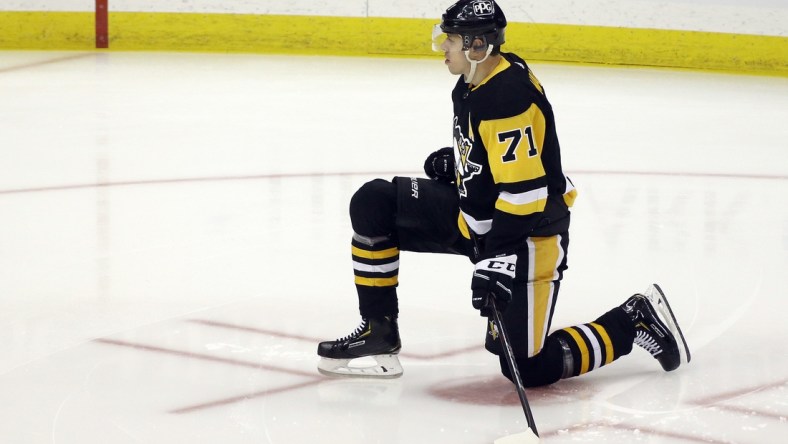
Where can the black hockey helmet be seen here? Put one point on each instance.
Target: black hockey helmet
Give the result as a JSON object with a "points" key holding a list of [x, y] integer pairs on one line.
{"points": [[473, 19]]}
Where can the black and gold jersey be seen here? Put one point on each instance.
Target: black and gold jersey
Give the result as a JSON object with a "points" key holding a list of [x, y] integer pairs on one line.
{"points": [[507, 156]]}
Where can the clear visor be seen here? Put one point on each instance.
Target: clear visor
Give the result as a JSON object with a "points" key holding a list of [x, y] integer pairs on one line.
{"points": [[438, 37]]}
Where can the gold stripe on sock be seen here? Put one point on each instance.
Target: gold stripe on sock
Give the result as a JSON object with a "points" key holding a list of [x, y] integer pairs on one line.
{"points": [[606, 339], [581, 344], [382, 254], [377, 282]]}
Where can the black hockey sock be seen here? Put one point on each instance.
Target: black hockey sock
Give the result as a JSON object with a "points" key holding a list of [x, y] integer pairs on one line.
{"points": [[590, 346], [377, 302]]}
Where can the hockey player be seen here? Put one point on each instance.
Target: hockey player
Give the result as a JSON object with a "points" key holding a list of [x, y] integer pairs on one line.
{"points": [[500, 197]]}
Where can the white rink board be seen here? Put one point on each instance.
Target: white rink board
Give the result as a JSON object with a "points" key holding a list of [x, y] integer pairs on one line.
{"points": [[760, 17]]}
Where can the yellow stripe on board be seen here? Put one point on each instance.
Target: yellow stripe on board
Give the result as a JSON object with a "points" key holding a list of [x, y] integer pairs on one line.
{"points": [[380, 36], [238, 33], [650, 47], [47, 30]]}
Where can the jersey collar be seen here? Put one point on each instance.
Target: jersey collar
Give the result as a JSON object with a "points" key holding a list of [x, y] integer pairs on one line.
{"points": [[502, 65]]}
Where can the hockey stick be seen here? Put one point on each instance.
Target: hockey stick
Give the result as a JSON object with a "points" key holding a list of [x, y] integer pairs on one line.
{"points": [[530, 436]]}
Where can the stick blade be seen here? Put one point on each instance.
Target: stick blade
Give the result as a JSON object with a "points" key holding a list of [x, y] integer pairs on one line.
{"points": [[526, 437]]}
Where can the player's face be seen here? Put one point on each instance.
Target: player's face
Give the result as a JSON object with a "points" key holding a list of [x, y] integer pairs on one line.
{"points": [[454, 56]]}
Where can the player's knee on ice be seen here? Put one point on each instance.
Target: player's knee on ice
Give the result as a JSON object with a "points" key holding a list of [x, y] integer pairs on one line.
{"points": [[543, 369]]}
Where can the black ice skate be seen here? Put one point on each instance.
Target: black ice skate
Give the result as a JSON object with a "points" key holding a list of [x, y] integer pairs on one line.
{"points": [[656, 328], [374, 338]]}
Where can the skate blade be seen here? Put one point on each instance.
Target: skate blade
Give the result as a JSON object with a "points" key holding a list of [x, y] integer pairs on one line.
{"points": [[385, 367], [655, 294], [527, 437]]}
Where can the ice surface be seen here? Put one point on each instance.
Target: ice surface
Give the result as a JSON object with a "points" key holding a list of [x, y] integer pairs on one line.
{"points": [[175, 238]]}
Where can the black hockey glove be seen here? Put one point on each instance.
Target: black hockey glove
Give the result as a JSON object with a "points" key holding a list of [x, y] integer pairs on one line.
{"points": [[493, 277], [440, 165]]}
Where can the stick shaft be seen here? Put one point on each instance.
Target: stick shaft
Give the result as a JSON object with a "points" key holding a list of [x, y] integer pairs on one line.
{"points": [[509, 354]]}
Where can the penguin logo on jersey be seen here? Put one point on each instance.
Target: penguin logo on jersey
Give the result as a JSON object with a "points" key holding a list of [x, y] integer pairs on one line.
{"points": [[465, 168]]}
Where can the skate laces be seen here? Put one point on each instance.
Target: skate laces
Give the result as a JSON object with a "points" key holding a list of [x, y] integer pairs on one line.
{"points": [[361, 327], [647, 341]]}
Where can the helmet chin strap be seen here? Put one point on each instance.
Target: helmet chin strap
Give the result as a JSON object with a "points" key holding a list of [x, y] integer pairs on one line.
{"points": [[469, 76]]}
